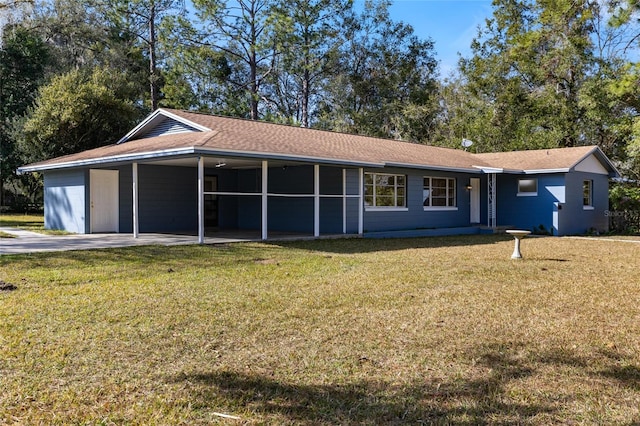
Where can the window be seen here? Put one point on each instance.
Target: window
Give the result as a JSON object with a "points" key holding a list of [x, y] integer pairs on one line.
{"points": [[527, 187], [385, 190], [439, 193], [587, 194]]}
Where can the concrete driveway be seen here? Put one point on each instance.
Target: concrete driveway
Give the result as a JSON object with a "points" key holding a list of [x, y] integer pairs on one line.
{"points": [[31, 242]]}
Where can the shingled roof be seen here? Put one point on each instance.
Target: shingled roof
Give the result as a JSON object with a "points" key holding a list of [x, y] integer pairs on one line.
{"points": [[558, 159], [223, 136]]}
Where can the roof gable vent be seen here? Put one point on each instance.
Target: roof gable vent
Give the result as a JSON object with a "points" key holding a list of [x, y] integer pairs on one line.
{"points": [[166, 126]]}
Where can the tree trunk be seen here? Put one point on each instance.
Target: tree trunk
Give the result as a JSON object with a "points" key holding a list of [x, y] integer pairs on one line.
{"points": [[153, 77], [306, 84], [253, 101], [253, 66]]}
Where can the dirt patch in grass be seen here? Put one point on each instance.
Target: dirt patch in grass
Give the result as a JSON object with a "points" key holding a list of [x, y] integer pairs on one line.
{"points": [[7, 286], [415, 331]]}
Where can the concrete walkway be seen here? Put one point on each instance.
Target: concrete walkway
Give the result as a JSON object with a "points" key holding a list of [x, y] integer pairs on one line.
{"points": [[32, 242]]}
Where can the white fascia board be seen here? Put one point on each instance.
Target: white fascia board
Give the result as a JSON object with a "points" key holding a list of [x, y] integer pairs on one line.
{"points": [[485, 169], [154, 115], [156, 155], [543, 171], [285, 157], [142, 156], [520, 172], [436, 168]]}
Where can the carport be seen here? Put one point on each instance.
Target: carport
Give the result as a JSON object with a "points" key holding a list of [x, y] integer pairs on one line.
{"points": [[272, 197]]}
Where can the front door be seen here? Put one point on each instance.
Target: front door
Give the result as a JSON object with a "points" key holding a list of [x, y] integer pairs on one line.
{"points": [[475, 200], [104, 199]]}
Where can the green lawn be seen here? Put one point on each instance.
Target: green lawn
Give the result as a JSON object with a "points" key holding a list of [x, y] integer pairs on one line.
{"points": [[415, 331], [28, 222]]}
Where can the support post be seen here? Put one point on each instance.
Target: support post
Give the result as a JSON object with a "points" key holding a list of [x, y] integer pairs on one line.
{"points": [[200, 200], [360, 201], [136, 219], [265, 198], [492, 214], [316, 200]]}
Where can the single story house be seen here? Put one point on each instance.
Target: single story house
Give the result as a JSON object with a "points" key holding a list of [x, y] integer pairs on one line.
{"points": [[185, 172]]}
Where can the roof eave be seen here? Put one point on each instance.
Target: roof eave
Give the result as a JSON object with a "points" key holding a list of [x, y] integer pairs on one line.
{"points": [[123, 158], [485, 169], [169, 153], [433, 167]]}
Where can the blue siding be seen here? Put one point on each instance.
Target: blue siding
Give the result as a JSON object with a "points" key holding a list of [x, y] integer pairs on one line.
{"points": [[415, 217], [529, 212], [65, 200], [558, 205], [574, 218]]}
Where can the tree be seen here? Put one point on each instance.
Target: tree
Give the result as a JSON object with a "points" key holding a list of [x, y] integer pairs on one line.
{"points": [[624, 86], [242, 30], [545, 74], [77, 111], [387, 81], [23, 59], [310, 35], [142, 19], [527, 73]]}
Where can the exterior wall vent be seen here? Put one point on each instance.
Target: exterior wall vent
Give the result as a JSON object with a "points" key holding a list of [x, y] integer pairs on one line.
{"points": [[167, 126]]}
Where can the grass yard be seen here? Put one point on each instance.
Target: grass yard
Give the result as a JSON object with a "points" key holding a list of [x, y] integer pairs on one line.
{"points": [[413, 331], [28, 222]]}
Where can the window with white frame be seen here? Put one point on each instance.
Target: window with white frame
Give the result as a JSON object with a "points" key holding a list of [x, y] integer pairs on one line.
{"points": [[527, 187], [383, 190], [438, 192], [587, 194]]}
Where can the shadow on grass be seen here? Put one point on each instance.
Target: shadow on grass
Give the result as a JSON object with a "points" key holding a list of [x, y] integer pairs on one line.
{"points": [[369, 245], [154, 257], [24, 224], [483, 396], [478, 400]]}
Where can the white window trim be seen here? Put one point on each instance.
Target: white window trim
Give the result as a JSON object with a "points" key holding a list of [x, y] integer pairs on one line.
{"points": [[527, 194], [440, 209], [386, 209], [395, 186], [588, 206], [455, 197]]}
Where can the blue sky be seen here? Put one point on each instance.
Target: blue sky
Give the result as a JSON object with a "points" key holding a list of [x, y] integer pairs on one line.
{"points": [[452, 24]]}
